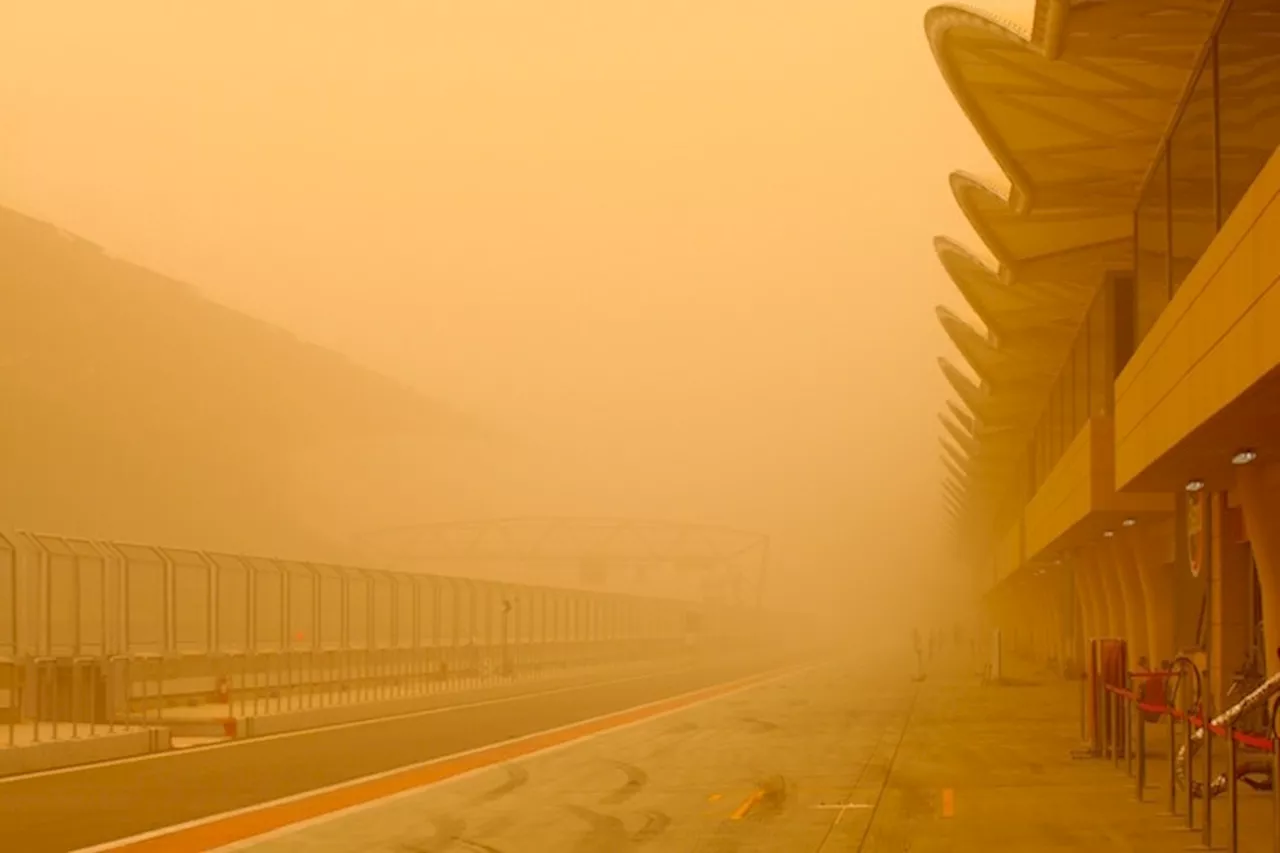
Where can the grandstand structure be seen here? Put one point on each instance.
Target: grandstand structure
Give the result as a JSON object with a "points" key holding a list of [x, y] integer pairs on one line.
{"points": [[1113, 458]]}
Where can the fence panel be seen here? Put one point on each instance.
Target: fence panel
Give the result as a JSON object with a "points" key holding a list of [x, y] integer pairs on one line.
{"points": [[330, 586], [465, 597], [233, 608], [427, 590], [146, 597], [9, 643], [60, 600], [383, 611], [69, 596], [359, 630], [404, 597], [300, 604], [447, 589], [192, 600], [93, 594], [268, 605]]}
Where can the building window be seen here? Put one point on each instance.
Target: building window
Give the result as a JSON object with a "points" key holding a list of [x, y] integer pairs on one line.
{"points": [[1193, 181], [1151, 251], [1124, 309]]}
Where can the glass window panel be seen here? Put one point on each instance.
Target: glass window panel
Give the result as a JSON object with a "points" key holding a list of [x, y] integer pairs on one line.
{"points": [[1099, 343], [1083, 401], [1191, 163], [1042, 451], [1069, 393], [1151, 250], [1248, 95], [1050, 432], [1055, 422]]}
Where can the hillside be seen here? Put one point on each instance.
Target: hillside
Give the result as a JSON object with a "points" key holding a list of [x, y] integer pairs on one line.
{"points": [[134, 407]]}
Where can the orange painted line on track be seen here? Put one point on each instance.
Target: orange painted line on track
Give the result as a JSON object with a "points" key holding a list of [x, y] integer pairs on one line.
{"points": [[948, 802], [747, 805], [222, 830]]}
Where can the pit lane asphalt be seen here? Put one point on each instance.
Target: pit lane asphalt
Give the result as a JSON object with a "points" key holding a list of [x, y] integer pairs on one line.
{"points": [[100, 803]]}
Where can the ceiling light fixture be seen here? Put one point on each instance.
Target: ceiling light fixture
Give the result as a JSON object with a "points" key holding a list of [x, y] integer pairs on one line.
{"points": [[1195, 485], [1129, 522], [1244, 457], [1108, 533]]}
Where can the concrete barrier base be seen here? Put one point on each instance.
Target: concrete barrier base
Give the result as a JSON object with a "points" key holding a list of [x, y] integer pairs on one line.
{"points": [[36, 756], [311, 718]]}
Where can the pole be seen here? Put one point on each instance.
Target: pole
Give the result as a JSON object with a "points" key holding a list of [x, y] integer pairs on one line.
{"points": [[1233, 801], [1207, 703], [1190, 768], [1173, 754], [1127, 703], [1142, 756], [1206, 827], [1275, 798]]}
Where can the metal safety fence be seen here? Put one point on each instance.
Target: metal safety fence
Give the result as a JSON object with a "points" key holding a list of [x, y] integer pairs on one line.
{"points": [[1172, 699], [96, 633]]}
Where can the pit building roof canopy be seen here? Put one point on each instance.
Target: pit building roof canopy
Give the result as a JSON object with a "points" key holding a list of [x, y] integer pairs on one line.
{"points": [[1073, 116]]}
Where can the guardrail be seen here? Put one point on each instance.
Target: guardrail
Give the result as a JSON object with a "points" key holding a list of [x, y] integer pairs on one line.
{"points": [[1127, 704], [98, 633], [85, 696]]}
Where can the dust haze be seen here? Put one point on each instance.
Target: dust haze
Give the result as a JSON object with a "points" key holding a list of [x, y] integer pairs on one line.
{"points": [[657, 260]]}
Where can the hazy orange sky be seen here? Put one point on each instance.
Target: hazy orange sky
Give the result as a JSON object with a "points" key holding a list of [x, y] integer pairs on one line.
{"points": [[679, 250]]}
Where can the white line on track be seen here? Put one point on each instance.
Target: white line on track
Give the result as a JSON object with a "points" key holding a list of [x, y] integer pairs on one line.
{"points": [[320, 819]]}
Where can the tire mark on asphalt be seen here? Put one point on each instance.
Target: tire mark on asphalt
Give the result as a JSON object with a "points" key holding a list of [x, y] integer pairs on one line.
{"points": [[445, 831], [446, 835], [655, 824], [636, 780], [517, 776], [605, 833], [761, 726]]}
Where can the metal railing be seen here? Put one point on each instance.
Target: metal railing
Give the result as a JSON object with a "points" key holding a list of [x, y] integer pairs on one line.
{"points": [[99, 633], [1192, 728]]}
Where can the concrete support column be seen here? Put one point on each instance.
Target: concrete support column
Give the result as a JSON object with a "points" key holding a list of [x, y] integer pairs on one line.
{"points": [[1057, 601], [1109, 580], [1260, 503], [1135, 610], [1081, 614], [1042, 613], [1153, 553], [1230, 620], [1092, 606]]}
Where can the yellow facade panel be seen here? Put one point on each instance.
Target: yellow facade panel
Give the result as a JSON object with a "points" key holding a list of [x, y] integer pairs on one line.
{"points": [[1066, 496], [1009, 557], [1216, 338]]}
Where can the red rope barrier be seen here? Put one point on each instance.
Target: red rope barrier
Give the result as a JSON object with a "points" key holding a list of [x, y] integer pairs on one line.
{"points": [[1255, 741], [1154, 709]]}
